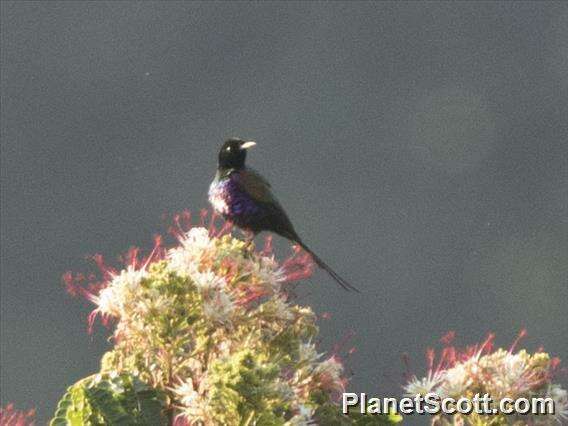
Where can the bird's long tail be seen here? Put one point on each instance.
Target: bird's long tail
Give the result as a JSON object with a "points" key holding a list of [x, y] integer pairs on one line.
{"points": [[340, 280]]}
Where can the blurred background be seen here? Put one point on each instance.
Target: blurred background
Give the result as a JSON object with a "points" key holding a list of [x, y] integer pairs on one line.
{"points": [[420, 148]]}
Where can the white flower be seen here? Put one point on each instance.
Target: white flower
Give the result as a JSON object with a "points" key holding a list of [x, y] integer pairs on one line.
{"points": [[186, 394], [158, 303], [308, 353], [219, 307], [329, 373], [425, 385], [560, 398], [196, 239], [282, 309], [208, 281], [122, 287], [108, 303], [509, 374], [303, 418], [456, 381], [195, 406], [284, 390], [270, 276], [330, 367], [185, 259]]}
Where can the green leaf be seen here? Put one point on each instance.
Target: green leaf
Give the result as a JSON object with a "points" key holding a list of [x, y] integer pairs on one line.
{"points": [[105, 399], [330, 414]]}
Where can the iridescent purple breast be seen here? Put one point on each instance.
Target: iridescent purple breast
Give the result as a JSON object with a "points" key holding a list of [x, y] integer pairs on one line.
{"points": [[219, 196], [229, 200]]}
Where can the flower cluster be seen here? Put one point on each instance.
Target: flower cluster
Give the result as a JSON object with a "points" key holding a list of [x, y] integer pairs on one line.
{"points": [[209, 323], [9, 416], [500, 373]]}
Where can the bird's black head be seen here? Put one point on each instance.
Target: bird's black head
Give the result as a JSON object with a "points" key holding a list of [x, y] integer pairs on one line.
{"points": [[233, 153]]}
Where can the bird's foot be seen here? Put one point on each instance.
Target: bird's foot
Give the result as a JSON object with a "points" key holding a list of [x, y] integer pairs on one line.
{"points": [[249, 238]]}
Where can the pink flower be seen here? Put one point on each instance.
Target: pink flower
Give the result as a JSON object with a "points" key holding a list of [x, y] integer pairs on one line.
{"points": [[95, 286], [500, 373], [9, 416]]}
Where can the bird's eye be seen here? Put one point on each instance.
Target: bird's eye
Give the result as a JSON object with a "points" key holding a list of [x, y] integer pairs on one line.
{"points": [[228, 148]]}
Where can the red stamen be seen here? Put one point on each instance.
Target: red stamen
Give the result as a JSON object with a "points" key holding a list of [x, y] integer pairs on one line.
{"points": [[342, 343], [267, 249], [9, 416], [212, 227], [406, 375], [430, 354], [487, 345], [202, 217], [448, 338], [521, 335], [298, 266]]}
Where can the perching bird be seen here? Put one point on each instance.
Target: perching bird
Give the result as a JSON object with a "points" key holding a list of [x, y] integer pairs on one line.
{"points": [[244, 197]]}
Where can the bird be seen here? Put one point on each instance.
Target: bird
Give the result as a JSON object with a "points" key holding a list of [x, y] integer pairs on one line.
{"points": [[245, 198]]}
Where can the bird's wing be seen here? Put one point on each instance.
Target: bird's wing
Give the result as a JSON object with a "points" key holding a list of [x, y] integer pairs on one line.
{"points": [[256, 186], [274, 217]]}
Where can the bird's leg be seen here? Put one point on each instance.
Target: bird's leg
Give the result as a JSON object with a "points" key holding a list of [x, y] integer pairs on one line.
{"points": [[249, 237]]}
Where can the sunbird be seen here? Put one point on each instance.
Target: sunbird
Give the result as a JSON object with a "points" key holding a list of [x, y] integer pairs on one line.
{"points": [[242, 196]]}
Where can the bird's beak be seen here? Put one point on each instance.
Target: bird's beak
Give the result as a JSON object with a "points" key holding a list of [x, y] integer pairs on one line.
{"points": [[248, 144]]}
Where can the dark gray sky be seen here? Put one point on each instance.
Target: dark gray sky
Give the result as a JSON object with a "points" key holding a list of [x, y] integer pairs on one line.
{"points": [[420, 148]]}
